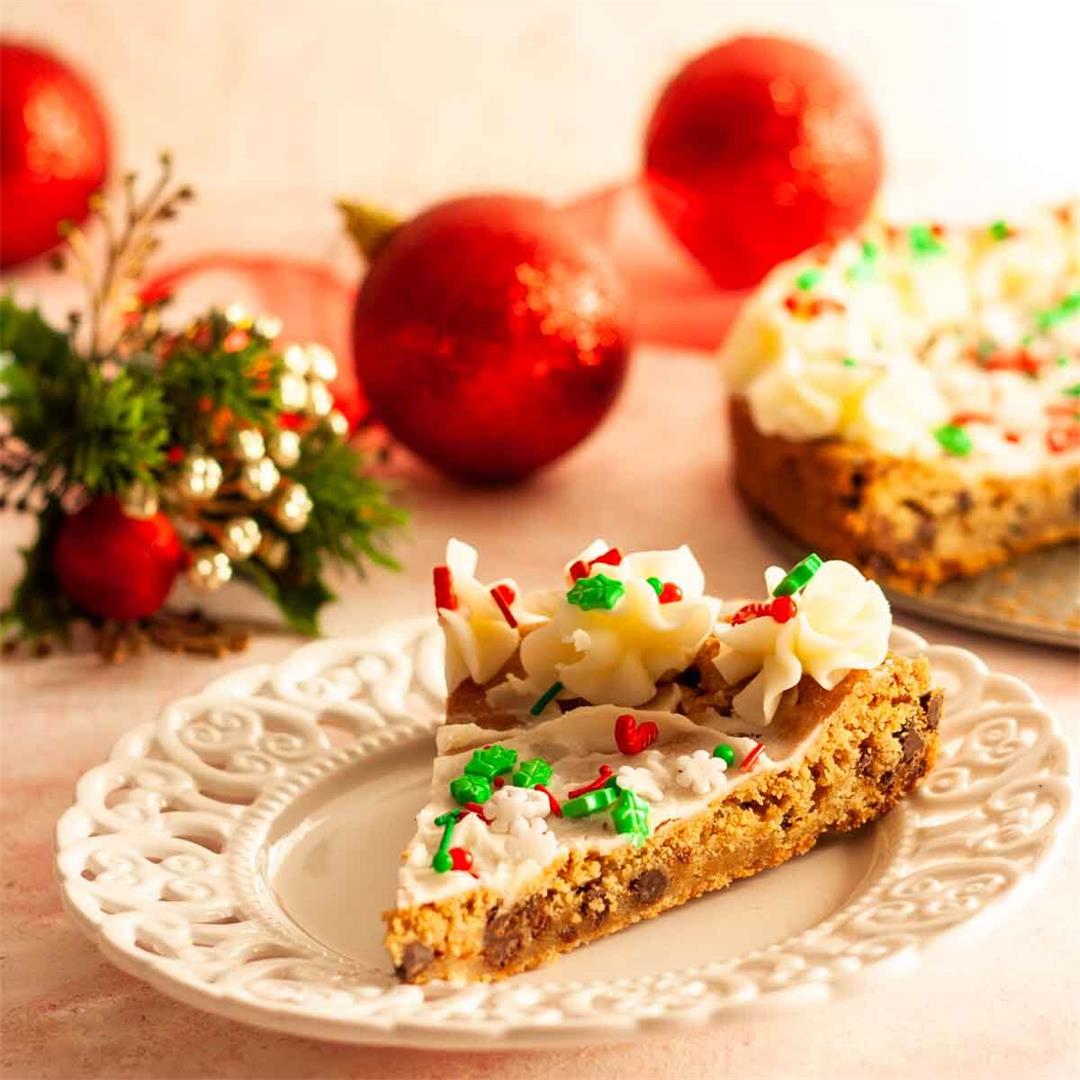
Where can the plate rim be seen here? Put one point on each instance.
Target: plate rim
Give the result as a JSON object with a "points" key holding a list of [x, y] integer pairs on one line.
{"points": [[256, 819]]}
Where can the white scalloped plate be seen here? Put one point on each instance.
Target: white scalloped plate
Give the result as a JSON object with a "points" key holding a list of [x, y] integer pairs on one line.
{"points": [[237, 853]]}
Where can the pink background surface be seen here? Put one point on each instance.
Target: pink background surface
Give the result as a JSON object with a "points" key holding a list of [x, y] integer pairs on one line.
{"points": [[1001, 1003]]}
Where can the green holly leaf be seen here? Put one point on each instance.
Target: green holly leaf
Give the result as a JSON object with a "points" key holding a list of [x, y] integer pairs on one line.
{"points": [[470, 789], [533, 772], [631, 815], [597, 592], [490, 762]]}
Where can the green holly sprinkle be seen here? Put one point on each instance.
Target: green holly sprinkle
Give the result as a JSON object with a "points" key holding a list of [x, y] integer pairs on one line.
{"points": [[598, 592], [1000, 231], [657, 585], [470, 789], [630, 814], [863, 270], [490, 762], [808, 279], [798, 577], [1070, 306], [850, 361], [986, 348], [533, 772], [954, 440], [724, 752], [923, 241], [1072, 391], [589, 803], [1062, 361]]}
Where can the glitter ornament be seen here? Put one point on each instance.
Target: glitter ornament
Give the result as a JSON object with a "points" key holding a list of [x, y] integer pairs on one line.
{"points": [[273, 551], [296, 361], [293, 507], [248, 444], [139, 501], [284, 448], [55, 150], [338, 422], [320, 402], [210, 568], [322, 364], [758, 149], [200, 477], [293, 392], [487, 336], [259, 479], [114, 565], [240, 538]]}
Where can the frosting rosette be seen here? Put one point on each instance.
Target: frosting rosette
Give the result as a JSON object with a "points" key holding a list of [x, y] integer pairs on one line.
{"points": [[479, 638], [840, 623], [622, 626]]}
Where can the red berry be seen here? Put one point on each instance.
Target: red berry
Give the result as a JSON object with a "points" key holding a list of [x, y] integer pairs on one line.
{"points": [[460, 858], [757, 150], [783, 608], [54, 150], [488, 338], [116, 566]]}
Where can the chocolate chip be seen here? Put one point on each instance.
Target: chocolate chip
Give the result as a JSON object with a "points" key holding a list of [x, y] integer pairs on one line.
{"points": [[932, 704], [910, 746], [594, 903], [964, 502], [926, 533], [886, 780], [649, 886], [568, 934], [414, 959], [866, 758], [690, 677], [503, 938]]}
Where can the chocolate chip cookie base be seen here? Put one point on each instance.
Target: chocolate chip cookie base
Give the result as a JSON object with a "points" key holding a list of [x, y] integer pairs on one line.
{"points": [[878, 738], [911, 524]]}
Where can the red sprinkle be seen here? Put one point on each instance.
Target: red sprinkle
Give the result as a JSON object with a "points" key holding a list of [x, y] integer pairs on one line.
{"points": [[824, 303], [791, 302], [972, 418], [750, 611], [599, 782], [556, 809], [460, 858], [750, 758], [780, 608], [632, 737], [444, 589], [611, 557], [1063, 408], [499, 781], [579, 570], [499, 596], [1019, 361], [1012, 436], [478, 810], [783, 608], [670, 593], [1060, 439]]}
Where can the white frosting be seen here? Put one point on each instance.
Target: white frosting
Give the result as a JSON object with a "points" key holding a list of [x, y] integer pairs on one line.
{"points": [[479, 640], [885, 349], [842, 624], [576, 744], [618, 655]]}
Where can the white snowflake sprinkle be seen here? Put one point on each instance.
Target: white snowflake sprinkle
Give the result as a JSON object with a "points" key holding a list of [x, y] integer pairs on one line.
{"points": [[510, 804], [531, 839], [700, 771], [640, 781]]}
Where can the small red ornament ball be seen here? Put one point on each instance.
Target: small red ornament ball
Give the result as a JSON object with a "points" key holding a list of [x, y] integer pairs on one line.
{"points": [[488, 338], [54, 149], [760, 149], [114, 565]]}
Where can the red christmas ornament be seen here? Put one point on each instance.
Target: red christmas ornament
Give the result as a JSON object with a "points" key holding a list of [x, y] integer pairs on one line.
{"points": [[487, 337], [115, 565], [757, 150], [54, 150]]}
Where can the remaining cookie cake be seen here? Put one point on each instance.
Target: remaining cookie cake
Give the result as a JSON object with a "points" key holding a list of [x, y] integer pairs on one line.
{"points": [[623, 743], [909, 400]]}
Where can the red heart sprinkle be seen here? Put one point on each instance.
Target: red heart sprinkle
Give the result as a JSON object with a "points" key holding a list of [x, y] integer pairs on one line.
{"points": [[670, 593], [578, 571], [460, 858], [632, 737]]}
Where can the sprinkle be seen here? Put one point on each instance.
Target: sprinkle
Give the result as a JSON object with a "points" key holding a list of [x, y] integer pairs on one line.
{"points": [[1000, 231], [972, 418], [924, 241], [863, 270], [546, 698], [631, 737], [490, 762], [1018, 361], [1060, 439], [798, 576], [783, 609], [1047, 320], [611, 557], [499, 596], [750, 611], [808, 279], [1072, 391], [553, 803], [443, 860], [460, 858], [631, 816], [589, 803], [1061, 361], [670, 593], [986, 348], [748, 761], [1064, 408], [478, 810], [533, 773], [445, 600], [596, 593], [954, 440], [657, 585], [724, 752], [1012, 436], [850, 361], [579, 570], [592, 785], [470, 788]]}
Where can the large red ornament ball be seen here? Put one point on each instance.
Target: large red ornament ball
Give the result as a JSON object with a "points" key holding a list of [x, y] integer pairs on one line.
{"points": [[114, 565], [488, 337], [760, 149], [54, 149]]}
